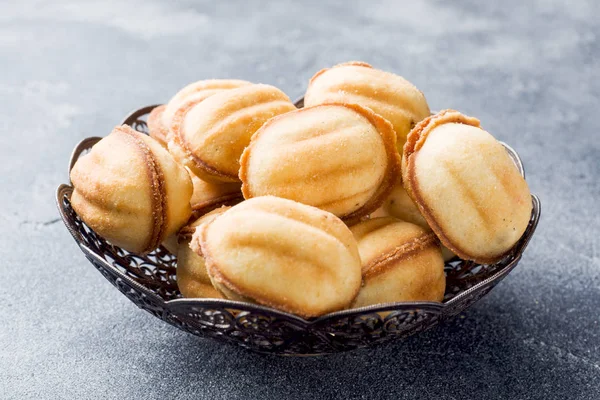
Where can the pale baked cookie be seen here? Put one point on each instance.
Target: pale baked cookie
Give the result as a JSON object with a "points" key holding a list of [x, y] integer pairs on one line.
{"points": [[400, 262], [338, 157], [282, 254], [170, 243], [209, 136], [156, 128], [161, 117], [466, 186], [192, 278], [389, 95], [206, 197], [399, 205], [130, 190], [210, 195]]}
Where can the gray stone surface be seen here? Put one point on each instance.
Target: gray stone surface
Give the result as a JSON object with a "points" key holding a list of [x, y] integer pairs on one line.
{"points": [[530, 70]]}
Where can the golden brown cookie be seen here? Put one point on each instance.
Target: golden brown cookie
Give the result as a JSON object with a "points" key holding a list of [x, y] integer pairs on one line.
{"points": [[161, 117], [389, 95], [130, 190], [282, 254], [338, 157], [192, 278], [466, 186], [209, 136], [400, 262]]}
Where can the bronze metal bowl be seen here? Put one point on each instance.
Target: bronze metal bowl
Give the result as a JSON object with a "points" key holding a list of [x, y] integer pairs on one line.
{"points": [[149, 282]]}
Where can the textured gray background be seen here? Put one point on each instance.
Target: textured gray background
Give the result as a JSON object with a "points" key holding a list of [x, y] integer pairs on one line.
{"points": [[530, 70]]}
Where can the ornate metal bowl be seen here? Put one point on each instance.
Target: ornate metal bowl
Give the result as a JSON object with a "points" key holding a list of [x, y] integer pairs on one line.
{"points": [[149, 282]]}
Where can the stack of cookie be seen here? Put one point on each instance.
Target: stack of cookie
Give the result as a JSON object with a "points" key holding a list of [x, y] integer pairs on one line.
{"points": [[355, 199]]}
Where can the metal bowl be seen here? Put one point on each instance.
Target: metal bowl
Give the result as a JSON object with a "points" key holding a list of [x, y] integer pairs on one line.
{"points": [[149, 282]]}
